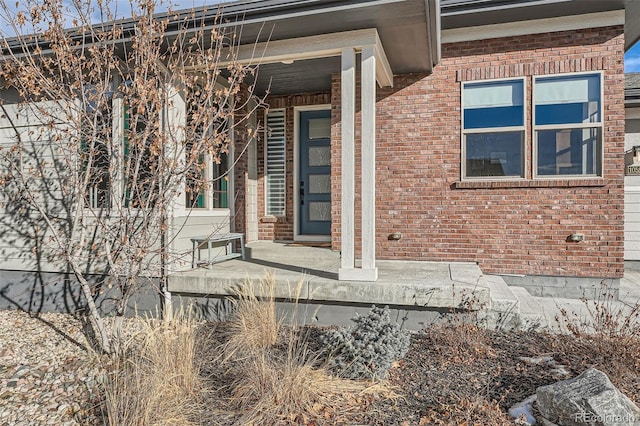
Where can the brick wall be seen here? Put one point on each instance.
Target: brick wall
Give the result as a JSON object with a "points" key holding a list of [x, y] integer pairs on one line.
{"points": [[506, 227], [281, 228]]}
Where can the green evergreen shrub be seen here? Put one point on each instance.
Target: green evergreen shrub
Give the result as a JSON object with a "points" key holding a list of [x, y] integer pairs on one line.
{"points": [[368, 349]]}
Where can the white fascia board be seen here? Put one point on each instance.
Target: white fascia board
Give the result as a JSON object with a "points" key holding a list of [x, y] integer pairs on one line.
{"points": [[632, 113], [384, 74], [535, 26], [313, 47]]}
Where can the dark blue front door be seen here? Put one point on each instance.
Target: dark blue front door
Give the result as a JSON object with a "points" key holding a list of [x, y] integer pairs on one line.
{"points": [[315, 173]]}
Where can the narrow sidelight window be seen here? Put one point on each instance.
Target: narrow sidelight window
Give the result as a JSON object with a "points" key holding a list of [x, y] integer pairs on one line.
{"points": [[275, 163]]}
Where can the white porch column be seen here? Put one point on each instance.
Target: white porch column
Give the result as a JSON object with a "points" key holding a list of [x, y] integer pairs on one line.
{"points": [[348, 184], [368, 271], [368, 145]]}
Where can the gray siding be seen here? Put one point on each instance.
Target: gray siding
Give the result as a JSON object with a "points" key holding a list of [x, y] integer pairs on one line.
{"points": [[632, 195]]}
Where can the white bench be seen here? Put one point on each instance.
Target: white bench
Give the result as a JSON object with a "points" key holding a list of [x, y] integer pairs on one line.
{"points": [[200, 242]]}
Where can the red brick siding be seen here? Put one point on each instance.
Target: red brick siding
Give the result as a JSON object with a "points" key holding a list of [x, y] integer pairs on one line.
{"points": [[519, 228], [281, 228]]}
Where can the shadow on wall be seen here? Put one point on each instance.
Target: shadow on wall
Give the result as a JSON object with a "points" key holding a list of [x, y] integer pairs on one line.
{"points": [[37, 292]]}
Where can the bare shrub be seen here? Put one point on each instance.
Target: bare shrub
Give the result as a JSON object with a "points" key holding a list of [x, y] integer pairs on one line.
{"points": [[605, 317], [605, 336], [463, 343], [107, 125]]}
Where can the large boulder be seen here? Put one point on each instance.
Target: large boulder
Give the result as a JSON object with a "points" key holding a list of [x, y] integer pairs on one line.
{"points": [[589, 399]]}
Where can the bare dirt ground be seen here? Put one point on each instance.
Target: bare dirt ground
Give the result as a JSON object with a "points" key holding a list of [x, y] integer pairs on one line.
{"points": [[465, 375], [456, 374]]}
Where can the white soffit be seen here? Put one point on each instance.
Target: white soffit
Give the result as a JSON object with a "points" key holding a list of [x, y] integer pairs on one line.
{"points": [[535, 26], [317, 46]]}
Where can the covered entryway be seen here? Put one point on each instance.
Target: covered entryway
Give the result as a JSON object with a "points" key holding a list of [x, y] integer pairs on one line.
{"points": [[362, 43]]}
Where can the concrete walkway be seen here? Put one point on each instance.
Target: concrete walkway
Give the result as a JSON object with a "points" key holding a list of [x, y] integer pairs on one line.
{"points": [[556, 313], [310, 275]]}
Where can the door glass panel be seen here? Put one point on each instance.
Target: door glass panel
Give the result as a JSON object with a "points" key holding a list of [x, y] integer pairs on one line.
{"points": [[319, 128], [320, 184], [320, 211], [319, 156]]}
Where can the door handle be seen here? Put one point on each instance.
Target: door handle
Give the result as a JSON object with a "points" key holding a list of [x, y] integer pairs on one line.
{"points": [[301, 193]]}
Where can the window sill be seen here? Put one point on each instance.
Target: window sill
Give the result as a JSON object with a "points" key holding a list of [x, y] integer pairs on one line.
{"points": [[221, 212], [530, 183], [273, 219]]}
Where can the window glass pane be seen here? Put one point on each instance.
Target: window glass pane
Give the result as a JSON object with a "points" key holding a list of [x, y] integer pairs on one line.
{"points": [[494, 154], [94, 146], [194, 180], [493, 117], [569, 99], [493, 104], [221, 183], [569, 152], [319, 156], [319, 211], [319, 128], [320, 184]]}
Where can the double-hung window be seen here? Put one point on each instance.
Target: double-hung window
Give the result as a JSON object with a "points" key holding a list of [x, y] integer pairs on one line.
{"points": [[568, 125], [208, 155], [493, 128], [95, 137], [207, 173]]}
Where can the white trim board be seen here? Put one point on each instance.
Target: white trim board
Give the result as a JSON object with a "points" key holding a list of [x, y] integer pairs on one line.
{"points": [[311, 47], [534, 26]]}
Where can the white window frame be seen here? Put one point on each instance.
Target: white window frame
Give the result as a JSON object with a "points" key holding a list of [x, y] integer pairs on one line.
{"points": [[597, 125], [523, 129], [267, 210], [207, 209]]}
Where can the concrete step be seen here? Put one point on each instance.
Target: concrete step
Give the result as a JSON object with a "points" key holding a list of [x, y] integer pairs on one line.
{"points": [[503, 311], [502, 298], [532, 313]]}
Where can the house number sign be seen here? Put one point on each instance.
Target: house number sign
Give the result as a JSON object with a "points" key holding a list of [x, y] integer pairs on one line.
{"points": [[633, 170]]}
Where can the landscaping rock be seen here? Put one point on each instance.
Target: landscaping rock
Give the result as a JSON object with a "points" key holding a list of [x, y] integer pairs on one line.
{"points": [[45, 364], [589, 399]]}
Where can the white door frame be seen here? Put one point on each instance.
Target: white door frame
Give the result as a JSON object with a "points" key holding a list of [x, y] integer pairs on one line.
{"points": [[296, 173]]}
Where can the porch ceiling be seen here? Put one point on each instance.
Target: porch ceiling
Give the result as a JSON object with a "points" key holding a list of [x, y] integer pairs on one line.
{"points": [[312, 75], [407, 38]]}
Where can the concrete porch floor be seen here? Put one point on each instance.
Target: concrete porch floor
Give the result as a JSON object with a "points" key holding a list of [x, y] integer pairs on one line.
{"points": [[313, 272], [414, 290]]}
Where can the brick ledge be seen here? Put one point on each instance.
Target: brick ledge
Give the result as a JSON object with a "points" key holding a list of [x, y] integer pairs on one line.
{"points": [[529, 183]]}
